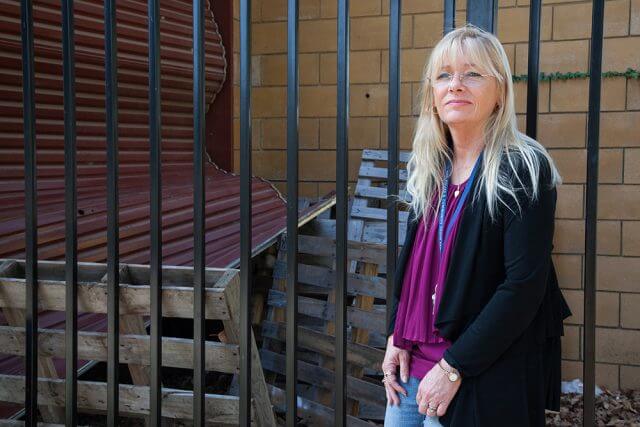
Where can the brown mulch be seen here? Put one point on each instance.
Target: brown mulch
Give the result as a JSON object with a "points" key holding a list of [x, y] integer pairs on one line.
{"points": [[613, 408]]}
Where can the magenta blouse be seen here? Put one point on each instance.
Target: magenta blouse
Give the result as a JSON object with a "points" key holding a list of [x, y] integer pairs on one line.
{"points": [[414, 329]]}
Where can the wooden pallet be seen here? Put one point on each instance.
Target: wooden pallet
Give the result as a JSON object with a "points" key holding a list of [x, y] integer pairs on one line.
{"points": [[222, 303], [366, 316]]}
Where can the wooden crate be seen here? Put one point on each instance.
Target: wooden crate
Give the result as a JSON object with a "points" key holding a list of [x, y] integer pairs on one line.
{"points": [[366, 313], [222, 303]]}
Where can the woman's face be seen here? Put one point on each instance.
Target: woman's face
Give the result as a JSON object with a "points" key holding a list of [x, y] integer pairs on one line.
{"points": [[466, 103]]}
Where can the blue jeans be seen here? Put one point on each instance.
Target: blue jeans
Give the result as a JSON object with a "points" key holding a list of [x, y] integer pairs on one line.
{"points": [[406, 414]]}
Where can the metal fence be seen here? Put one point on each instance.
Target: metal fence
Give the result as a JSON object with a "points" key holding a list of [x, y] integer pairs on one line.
{"points": [[480, 12]]}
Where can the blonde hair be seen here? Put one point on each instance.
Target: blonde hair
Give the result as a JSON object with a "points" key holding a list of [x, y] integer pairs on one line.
{"points": [[503, 141]]}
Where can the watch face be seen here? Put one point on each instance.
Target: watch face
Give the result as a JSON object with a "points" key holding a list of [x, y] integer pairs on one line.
{"points": [[453, 377]]}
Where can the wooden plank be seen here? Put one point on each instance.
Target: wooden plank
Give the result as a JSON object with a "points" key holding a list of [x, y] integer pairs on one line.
{"points": [[46, 367], [134, 399], [263, 410], [324, 344], [134, 349], [356, 388], [373, 321], [312, 413], [378, 173], [378, 214], [376, 193], [383, 155], [358, 284], [356, 251], [92, 297]]}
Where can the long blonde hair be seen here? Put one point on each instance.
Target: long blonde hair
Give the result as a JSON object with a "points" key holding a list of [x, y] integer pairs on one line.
{"points": [[503, 141]]}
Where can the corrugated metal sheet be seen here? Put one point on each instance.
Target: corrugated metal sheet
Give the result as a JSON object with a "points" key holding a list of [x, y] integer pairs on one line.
{"points": [[222, 188]]}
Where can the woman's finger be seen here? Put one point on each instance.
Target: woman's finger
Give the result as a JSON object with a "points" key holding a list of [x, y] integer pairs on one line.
{"points": [[396, 386], [442, 409], [395, 400], [404, 366]]}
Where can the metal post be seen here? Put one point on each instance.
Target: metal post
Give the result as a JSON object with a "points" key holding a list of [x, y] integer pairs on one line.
{"points": [[245, 213], [342, 182], [533, 67]]}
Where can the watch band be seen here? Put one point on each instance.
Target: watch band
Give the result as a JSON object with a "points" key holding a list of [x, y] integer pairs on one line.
{"points": [[452, 375]]}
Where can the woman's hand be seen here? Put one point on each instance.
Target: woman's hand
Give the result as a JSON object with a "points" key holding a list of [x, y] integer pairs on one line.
{"points": [[436, 390], [393, 358]]}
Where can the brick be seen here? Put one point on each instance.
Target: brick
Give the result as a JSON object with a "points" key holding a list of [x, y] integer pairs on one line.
{"points": [[607, 307], [356, 8], [629, 314], [520, 93], [618, 202], [270, 37], [631, 238], [317, 36], [364, 67], [620, 53], [276, 10], [606, 373], [412, 63], [268, 164], [255, 10], [318, 101], [273, 69], [373, 33], [569, 236], [317, 165], [568, 270], [573, 21], [633, 94], [570, 201], [618, 274], [618, 346], [620, 129], [629, 377], [571, 164], [571, 343], [609, 238], [269, 101], [573, 95], [407, 126], [562, 130], [325, 188], [368, 100], [513, 24], [364, 132], [255, 133], [635, 17], [416, 6], [305, 189], [427, 29], [632, 166], [561, 56], [274, 134]]}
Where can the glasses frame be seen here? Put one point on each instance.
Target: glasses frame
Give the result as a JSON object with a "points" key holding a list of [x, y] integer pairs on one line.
{"points": [[434, 82]]}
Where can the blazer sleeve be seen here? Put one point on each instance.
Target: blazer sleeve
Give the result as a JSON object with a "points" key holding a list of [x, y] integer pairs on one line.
{"points": [[528, 242], [400, 266]]}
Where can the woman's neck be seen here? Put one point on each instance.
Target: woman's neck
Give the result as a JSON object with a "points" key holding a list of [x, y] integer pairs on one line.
{"points": [[467, 146]]}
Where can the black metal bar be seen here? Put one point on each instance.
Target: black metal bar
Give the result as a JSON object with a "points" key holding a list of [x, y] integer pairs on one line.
{"points": [[449, 16], [535, 9], [31, 215], [71, 220], [155, 264], [113, 237], [393, 156], [342, 202], [593, 145], [484, 14], [198, 215], [245, 213], [292, 212]]}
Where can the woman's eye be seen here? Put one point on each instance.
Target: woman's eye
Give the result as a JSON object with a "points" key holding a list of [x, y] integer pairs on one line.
{"points": [[444, 76], [473, 74]]}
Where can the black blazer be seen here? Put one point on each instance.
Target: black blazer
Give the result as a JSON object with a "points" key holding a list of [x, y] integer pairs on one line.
{"points": [[502, 310]]}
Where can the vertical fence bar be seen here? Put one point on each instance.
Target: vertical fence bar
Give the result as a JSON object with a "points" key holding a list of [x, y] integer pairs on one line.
{"points": [[533, 67], [449, 16], [292, 212], [593, 143], [155, 264], [113, 238], [198, 215], [71, 223], [395, 17], [342, 182], [31, 214], [245, 212]]}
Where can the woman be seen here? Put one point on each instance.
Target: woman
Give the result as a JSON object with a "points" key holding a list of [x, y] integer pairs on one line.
{"points": [[476, 310]]}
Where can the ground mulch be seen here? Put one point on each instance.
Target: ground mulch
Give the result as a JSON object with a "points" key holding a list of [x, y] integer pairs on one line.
{"points": [[613, 408]]}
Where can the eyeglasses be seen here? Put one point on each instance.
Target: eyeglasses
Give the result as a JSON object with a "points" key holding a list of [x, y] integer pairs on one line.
{"points": [[469, 79]]}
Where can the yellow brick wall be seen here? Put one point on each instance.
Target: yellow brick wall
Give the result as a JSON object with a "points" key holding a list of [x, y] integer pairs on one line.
{"points": [[565, 32]]}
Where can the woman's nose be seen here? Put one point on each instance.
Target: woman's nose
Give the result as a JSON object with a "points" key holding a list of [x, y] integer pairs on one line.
{"points": [[455, 83]]}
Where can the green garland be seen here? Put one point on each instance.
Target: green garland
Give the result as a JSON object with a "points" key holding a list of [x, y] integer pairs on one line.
{"points": [[630, 73]]}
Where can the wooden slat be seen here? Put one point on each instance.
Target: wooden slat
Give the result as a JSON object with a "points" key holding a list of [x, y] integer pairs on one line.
{"points": [[92, 297], [356, 251], [358, 284], [134, 349], [368, 154], [134, 399], [379, 173], [378, 214]]}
